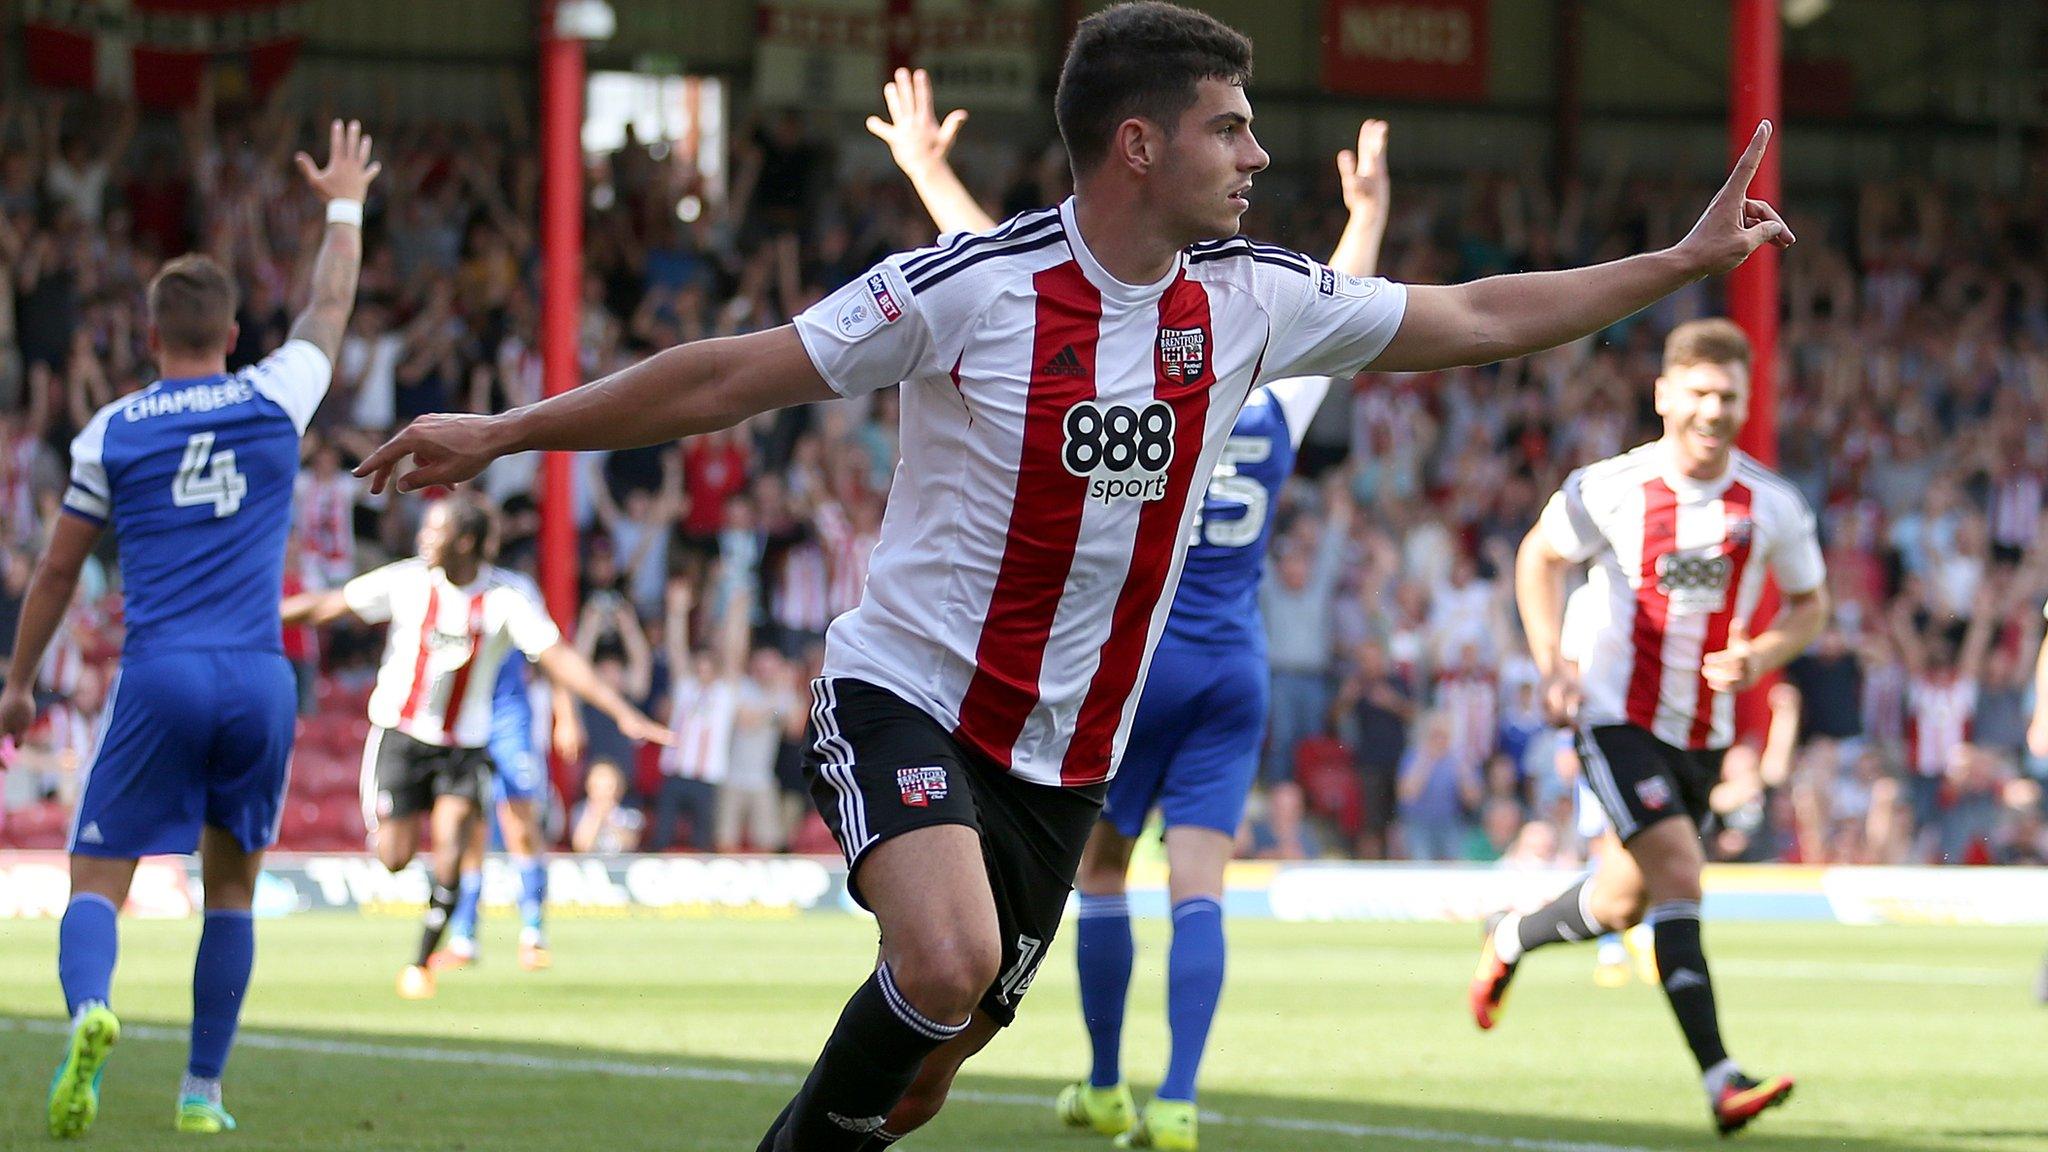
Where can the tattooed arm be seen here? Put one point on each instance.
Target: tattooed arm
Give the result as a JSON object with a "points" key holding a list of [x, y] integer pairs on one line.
{"points": [[347, 177]]}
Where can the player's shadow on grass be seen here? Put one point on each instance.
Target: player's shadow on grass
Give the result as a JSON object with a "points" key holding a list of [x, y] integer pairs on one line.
{"points": [[395, 1093]]}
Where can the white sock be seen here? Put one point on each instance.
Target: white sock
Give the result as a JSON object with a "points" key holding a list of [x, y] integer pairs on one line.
{"points": [[463, 946], [1717, 1077], [205, 1089], [1612, 952], [1507, 939], [531, 938]]}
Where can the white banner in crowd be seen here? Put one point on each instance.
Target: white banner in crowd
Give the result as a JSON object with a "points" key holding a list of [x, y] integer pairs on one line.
{"points": [[837, 53]]}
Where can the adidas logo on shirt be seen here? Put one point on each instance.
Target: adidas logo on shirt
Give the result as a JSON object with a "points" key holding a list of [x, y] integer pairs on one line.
{"points": [[1065, 362]]}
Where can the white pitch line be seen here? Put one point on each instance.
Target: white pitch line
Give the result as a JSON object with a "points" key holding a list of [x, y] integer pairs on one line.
{"points": [[530, 1063], [1862, 973]]}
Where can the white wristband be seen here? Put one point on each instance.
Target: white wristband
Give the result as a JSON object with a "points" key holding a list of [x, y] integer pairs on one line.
{"points": [[345, 212]]}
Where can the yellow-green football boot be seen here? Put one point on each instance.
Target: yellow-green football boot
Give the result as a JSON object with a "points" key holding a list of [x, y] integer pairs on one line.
{"points": [[1164, 1124], [75, 1089], [1105, 1110]]}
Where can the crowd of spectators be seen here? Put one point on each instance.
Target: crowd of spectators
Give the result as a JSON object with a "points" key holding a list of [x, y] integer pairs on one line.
{"points": [[1913, 414]]}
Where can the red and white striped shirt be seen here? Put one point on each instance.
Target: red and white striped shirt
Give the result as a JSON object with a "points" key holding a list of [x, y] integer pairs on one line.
{"points": [[1678, 561], [1055, 425], [326, 515], [802, 600], [444, 646], [1471, 699], [847, 551], [1940, 711], [702, 718], [22, 455]]}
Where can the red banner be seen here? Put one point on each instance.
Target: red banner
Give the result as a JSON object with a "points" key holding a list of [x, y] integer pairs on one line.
{"points": [[1424, 49], [157, 52]]}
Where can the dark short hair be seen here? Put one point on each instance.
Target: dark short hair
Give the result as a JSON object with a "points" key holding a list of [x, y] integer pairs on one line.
{"points": [[192, 303], [1141, 59], [1714, 340], [472, 517]]}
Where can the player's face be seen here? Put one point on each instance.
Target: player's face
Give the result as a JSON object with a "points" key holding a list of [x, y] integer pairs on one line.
{"points": [[1203, 178], [1704, 407], [434, 537]]}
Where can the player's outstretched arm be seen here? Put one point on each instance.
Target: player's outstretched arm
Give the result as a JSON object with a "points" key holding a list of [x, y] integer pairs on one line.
{"points": [[918, 141], [345, 180], [1506, 316], [1368, 193], [561, 664], [685, 391], [42, 612], [315, 608]]}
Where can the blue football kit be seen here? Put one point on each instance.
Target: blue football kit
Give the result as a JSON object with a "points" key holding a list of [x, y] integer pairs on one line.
{"points": [[195, 478], [521, 769]]}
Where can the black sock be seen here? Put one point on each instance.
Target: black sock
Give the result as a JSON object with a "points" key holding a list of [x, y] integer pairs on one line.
{"points": [[872, 1056], [1682, 962], [1564, 920], [440, 904]]}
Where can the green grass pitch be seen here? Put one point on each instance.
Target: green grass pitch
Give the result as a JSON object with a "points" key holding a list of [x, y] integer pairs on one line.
{"points": [[688, 1034]]}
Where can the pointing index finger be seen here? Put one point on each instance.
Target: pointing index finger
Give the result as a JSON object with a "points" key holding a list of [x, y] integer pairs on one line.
{"points": [[1752, 156]]}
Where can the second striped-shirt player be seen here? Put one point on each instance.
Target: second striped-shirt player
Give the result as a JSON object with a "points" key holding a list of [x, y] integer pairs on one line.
{"points": [[1679, 535]]}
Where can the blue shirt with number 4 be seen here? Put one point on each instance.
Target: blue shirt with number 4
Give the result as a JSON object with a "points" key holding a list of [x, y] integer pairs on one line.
{"points": [[195, 476]]}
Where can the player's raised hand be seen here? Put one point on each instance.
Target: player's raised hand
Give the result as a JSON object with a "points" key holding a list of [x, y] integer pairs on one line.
{"points": [[445, 449], [1733, 668], [916, 137], [17, 711], [349, 167], [1734, 225], [1362, 174]]}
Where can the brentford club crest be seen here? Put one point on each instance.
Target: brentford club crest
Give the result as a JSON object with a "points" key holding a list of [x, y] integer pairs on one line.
{"points": [[1183, 353], [1654, 793], [921, 786]]}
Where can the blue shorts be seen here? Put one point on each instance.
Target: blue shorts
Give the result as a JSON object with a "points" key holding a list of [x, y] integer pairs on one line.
{"points": [[521, 771], [1194, 745], [189, 739]]}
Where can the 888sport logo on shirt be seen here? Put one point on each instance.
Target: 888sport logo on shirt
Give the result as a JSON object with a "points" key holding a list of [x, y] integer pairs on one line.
{"points": [[1124, 452], [1695, 581]]}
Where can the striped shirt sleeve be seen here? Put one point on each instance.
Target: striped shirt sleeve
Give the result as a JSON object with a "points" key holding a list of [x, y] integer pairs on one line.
{"points": [[1325, 322], [868, 335], [1566, 523]]}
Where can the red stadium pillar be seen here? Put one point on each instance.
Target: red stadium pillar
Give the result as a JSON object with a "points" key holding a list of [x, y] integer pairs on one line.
{"points": [[561, 215], [561, 292], [1754, 68]]}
